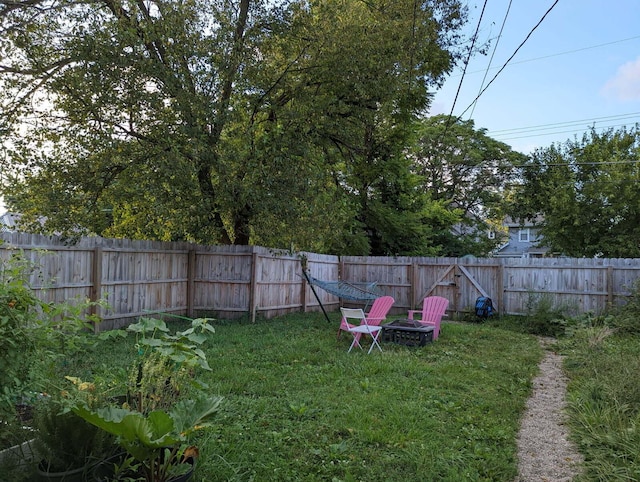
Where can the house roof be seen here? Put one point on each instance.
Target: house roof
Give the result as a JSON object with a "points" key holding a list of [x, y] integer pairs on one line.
{"points": [[10, 222], [518, 223]]}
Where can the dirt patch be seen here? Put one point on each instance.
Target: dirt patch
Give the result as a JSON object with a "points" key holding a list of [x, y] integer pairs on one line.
{"points": [[545, 453]]}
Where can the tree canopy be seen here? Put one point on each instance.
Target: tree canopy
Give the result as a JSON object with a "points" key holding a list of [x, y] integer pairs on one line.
{"points": [[587, 193], [465, 170], [217, 121]]}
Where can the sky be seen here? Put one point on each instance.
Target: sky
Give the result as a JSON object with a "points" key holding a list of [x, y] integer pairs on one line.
{"points": [[579, 68]]}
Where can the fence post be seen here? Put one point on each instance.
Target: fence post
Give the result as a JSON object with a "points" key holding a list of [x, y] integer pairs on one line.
{"points": [[191, 283], [610, 285], [303, 285], [500, 286], [96, 284], [456, 287], [413, 296], [254, 286], [340, 277]]}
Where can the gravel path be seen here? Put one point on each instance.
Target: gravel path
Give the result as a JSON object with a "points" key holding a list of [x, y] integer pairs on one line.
{"points": [[544, 452]]}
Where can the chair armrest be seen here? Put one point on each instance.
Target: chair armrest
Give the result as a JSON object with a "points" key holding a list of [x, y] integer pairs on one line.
{"points": [[376, 319]]}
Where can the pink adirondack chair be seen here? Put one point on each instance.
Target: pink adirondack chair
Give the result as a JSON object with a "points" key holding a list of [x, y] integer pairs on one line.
{"points": [[433, 309], [376, 315]]}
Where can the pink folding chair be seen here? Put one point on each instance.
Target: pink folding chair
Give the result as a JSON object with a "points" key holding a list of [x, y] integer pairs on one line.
{"points": [[433, 309], [376, 315]]}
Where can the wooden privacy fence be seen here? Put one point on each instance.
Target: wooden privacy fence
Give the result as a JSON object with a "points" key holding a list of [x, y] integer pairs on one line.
{"points": [[515, 284], [139, 277]]}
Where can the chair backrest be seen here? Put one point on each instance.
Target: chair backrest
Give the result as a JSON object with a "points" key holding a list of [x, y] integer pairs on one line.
{"points": [[379, 310], [354, 313], [434, 308]]}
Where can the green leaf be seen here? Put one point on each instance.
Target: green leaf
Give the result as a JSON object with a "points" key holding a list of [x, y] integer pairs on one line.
{"points": [[192, 415], [197, 338]]}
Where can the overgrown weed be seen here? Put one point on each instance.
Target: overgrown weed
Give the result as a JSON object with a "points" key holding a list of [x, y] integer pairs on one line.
{"points": [[602, 361]]}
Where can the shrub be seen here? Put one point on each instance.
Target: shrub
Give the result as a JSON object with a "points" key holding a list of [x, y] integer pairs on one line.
{"points": [[543, 317], [18, 332], [35, 336], [627, 317]]}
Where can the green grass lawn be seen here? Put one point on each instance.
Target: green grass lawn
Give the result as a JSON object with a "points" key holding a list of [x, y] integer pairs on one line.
{"points": [[299, 407]]}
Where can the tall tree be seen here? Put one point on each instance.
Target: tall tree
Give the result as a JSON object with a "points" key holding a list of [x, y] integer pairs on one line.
{"points": [[587, 193], [212, 120], [466, 170]]}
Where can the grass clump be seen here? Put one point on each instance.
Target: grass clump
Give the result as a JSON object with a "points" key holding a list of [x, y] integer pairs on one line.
{"points": [[626, 318], [602, 361]]}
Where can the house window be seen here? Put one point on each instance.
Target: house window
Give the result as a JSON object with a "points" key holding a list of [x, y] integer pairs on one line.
{"points": [[523, 235]]}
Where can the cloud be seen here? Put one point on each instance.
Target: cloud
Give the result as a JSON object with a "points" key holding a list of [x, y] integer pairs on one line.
{"points": [[625, 85]]}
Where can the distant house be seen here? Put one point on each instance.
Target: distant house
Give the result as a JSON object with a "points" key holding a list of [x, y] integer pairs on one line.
{"points": [[8, 222], [523, 242]]}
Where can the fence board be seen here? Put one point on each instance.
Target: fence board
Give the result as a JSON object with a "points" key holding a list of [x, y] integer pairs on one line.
{"points": [[322, 267]]}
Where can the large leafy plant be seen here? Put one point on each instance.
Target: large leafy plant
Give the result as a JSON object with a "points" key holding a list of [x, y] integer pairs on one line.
{"points": [[65, 442], [155, 419], [156, 441]]}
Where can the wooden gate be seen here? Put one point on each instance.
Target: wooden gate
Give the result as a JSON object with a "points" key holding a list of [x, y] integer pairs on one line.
{"points": [[462, 282]]}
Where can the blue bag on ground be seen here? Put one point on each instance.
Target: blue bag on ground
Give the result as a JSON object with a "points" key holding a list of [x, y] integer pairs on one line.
{"points": [[484, 307]]}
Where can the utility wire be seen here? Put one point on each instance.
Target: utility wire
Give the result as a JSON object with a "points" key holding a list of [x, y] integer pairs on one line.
{"points": [[466, 62], [557, 132], [566, 52], [553, 129], [448, 122], [564, 124], [495, 47], [571, 164], [508, 60]]}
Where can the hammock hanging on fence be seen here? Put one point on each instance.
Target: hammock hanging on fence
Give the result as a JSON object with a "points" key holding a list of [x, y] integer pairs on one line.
{"points": [[346, 291], [342, 289]]}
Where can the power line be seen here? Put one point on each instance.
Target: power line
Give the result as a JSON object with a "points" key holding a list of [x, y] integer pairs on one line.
{"points": [[575, 129], [572, 131], [466, 62], [573, 51], [510, 58], [566, 52], [565, 123], [495, 47], [571, 164]]}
